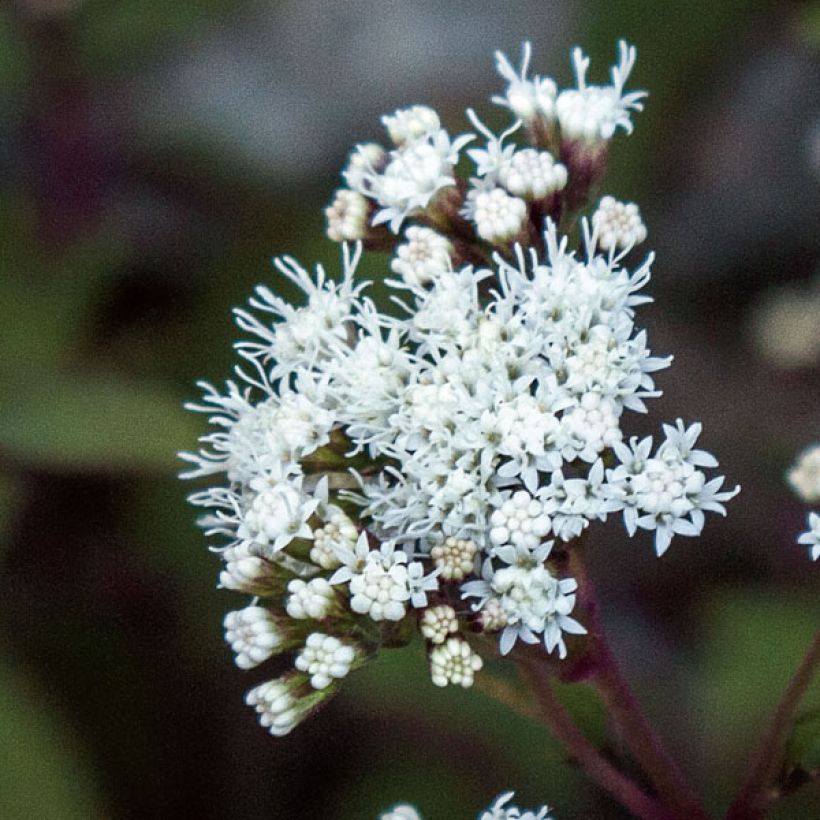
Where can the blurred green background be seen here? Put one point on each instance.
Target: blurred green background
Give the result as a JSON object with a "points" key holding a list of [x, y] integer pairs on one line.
{"points": [[153, 157]]}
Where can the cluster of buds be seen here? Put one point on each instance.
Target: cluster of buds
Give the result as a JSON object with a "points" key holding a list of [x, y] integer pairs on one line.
{"points": [[429, 473]]}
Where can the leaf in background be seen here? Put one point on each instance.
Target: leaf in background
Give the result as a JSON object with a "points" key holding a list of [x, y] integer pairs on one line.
{"points": [[95, 424], [42, 773], [803, 746]]}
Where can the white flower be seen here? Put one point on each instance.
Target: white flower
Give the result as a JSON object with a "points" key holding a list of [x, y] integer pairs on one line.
{"points": [[302, 337], [325, 658], [533, 601], [347, 216], [532, 174], [277, 513], [310, 599], [804, 476], [253, 635], [414, 174], [279, 706], [812, 536], [378, 580], [498, 216], [667, 493], [402, 811], [527, 99], [784, 326], [501, 811], [592, 112], [409, 124], [367, 159], [454, 662], [336, 530], [455, 558], [520, 520], [438, 623], [245, 572], [490, 161], [424, 256], [617, 224], [420, 583]]}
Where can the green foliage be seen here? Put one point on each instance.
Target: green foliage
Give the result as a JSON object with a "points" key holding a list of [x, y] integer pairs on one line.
{"points": [[43, 772]]}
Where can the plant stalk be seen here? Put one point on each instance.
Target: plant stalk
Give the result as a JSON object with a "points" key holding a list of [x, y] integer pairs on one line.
{"points": [[756, 796], [559, 721]]}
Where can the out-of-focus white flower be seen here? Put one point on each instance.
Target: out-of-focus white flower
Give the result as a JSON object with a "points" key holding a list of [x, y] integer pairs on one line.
{"points": [[501, 811], [804, 476], [784, 326], [402, 811], [812, 536]]}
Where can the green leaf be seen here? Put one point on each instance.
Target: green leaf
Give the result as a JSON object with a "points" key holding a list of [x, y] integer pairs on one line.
{"points": [[42, 771], [95, 424], [803, 747]]}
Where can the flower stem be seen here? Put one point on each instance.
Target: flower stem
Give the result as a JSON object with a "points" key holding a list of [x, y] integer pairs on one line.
{"points": [[755, 795], [563, 728], [623, 707]]}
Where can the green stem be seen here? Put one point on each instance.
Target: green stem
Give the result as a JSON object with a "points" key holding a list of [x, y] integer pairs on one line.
{"points": [[756, 796]]}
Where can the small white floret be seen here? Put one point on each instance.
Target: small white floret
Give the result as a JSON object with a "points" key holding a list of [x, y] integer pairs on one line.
{"points": [[498, 216], [438, 623], [455, 558], [617, 225], [532, 174], [423, 257], [278, 706], [338, 530], [253, 635], [454, 662], [311, 599], [408, 124], [325, 658]]}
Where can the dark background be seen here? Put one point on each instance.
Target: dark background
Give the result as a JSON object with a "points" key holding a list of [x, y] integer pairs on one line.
{"points": [[153, 156]]}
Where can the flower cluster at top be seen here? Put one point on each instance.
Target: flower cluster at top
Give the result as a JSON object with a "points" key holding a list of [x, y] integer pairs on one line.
{"points": [[804, 477], [430, 470], [500, 810]]}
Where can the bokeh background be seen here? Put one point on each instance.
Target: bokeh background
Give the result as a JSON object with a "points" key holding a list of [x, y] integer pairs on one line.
{"points": [[153, 156]]}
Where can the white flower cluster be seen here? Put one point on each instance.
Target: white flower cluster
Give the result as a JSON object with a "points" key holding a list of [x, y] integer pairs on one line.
{"points": [[512, 188], [804, 478], [499, 810], [429, 471]]}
